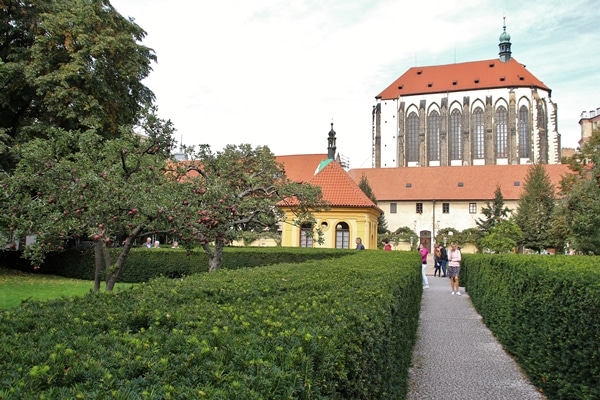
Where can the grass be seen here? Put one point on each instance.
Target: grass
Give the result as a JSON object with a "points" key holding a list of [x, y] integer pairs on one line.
{"points": [[16, 286]]}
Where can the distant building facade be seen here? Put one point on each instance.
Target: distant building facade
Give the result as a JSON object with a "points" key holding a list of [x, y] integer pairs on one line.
{"points": [[429, 199], [589, 122], [491, 112]]}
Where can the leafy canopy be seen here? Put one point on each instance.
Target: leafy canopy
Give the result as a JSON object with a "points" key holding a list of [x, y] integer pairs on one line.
{"points": [[233, 191], [76, 186], [73, 65], [578, 214]]}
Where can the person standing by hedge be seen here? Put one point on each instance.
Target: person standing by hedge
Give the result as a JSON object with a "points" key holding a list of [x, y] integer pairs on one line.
{"points": [[437, 261], [454, 259], [386, 245], [443, 258], [423, 250], [359, 245]]}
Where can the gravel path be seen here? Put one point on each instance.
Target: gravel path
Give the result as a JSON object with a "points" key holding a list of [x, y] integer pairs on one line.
{"points": [[457, 357]]}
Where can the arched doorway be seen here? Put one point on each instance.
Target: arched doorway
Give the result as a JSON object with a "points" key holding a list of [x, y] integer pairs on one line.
{"points": [[425, 239]]}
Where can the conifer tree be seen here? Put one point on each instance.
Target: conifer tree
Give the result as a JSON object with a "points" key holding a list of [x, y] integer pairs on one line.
{"points": [[494, 212], [535, 209], [382, 227]]}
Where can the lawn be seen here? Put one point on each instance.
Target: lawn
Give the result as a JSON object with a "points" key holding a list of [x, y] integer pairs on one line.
{"points": [[16, 286]]}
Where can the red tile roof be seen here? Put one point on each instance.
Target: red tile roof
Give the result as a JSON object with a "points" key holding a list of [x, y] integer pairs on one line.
{"points": [[486, 74], [451, 183], [301, 167], [339, 189]]}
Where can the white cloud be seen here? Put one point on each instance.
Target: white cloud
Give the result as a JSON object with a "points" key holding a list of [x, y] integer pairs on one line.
{"points": [[277, 72]]}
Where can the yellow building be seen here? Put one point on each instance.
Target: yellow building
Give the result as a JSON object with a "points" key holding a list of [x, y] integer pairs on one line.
{"points": [[351, 214]]}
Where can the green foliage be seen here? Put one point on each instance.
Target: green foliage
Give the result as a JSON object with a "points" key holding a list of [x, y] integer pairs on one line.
{"points": [[451, 235], [144, 264], [494, 212], [535, 209], [469, 235], [502, 238], [402, 234], [382, 227], [544, 310], [69, 64], [79, 185], [318, 330], [579, 209], [248, 237], [237, 190]]}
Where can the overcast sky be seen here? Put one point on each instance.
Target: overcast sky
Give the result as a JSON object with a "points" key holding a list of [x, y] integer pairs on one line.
{"points": [[278, 72]]}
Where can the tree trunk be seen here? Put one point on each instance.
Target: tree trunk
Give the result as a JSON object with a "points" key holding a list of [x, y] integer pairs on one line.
{"points": [[98, 264], [214, 257], [113, 271]]}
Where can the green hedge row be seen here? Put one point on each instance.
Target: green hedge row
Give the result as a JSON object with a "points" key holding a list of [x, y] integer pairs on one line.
{"points": [[545, 311], [143, 264], [338, 328]]}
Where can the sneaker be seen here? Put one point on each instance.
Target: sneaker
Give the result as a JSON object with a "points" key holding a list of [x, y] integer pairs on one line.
{"points": [[452, 293], [458, 293], [426, 287]]}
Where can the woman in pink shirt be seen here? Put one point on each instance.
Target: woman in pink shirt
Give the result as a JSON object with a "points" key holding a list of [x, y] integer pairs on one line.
{"points": [[423, 250], [454, 259]]}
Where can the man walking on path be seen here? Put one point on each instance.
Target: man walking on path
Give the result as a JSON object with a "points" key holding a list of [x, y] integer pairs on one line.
{"points": [[457, 357]]}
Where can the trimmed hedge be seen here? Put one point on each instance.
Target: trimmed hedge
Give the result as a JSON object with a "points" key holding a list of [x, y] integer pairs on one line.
{"points": [[338, 328], [545, 311], [143, 264]]}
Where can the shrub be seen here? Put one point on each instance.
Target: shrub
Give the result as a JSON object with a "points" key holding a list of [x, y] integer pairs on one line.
{"points": [[544, 310], [332, 328]]}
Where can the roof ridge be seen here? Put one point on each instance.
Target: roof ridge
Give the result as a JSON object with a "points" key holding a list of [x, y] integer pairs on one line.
{"points": [[339, 188]]}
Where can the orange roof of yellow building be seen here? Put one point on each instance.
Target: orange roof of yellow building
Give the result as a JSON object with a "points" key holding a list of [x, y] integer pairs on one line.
{"points": [[338, 188], [301, 167]]}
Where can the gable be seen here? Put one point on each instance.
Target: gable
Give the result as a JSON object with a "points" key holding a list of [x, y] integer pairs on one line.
{"points": [[339, 189]]}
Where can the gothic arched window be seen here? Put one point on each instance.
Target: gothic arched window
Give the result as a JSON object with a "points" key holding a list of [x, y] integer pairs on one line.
{"points": [[524, 133], [478, 134], [433, 136], [501, 133], [412, 138], [455, 139]]}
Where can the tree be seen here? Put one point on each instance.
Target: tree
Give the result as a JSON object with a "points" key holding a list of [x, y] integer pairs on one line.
{"points": [[535, 209], [79, 185], [233, 191], [502, 237], [382, 227], [579, 208], [74, 65], [494, 212]]}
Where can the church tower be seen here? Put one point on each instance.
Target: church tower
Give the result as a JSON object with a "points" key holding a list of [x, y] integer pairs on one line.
{"points": [[504, 45], [331, 148]]}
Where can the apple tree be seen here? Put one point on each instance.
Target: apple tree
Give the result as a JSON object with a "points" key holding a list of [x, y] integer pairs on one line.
{"points": [[236, 190], [83, 186]]}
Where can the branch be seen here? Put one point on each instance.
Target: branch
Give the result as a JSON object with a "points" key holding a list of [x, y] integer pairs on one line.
{"points": [[267, 191], [196, 169]]}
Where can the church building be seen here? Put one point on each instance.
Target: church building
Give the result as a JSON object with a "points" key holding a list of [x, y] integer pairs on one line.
{"points": [[490, 112]]}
